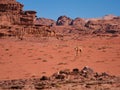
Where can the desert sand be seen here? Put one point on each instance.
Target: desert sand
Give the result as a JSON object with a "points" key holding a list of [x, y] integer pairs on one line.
{"points": [[45, 56]]}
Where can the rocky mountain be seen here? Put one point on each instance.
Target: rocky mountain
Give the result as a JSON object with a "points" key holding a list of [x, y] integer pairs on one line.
{"points": [[106, 24]]}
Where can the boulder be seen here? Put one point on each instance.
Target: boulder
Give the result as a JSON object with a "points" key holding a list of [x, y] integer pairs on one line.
{"points": [[87, 72], [44, 78], [75, 70]]}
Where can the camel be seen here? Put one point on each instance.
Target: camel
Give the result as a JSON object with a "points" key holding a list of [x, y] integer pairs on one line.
{"points": [[78, 50]]}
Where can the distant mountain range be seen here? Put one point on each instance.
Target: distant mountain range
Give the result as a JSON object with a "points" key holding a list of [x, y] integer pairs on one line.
{"points": [[106, 24]]}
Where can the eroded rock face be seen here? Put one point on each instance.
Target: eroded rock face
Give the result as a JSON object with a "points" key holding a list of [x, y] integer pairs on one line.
{"points": [[104, 25], [78, 22], [109, 24], [64, 20], [11, 13], [14, 21], [45, 21]]}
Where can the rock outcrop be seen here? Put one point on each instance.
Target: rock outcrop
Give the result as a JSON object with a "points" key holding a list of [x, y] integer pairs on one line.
{"points": [[14, 21], [45, 21], [108, 17], [11, 13], [78, 22], [104, 26], [64, 20]]}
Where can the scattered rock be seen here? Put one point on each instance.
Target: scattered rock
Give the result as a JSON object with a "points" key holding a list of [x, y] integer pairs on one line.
{"points": [[66, 71], [75, 70], [44, 78], [64, 78], [60, 76], [87, 72]]}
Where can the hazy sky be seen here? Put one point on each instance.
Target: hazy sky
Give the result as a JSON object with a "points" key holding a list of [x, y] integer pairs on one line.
{"points": [[72, 8]]}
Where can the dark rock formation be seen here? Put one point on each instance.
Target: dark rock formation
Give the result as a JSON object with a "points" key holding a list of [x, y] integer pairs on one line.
{"points": [[87, 72], [64, 20], [75, 70], [44, 78]]}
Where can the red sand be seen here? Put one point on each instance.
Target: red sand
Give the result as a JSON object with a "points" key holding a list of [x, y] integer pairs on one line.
{"points": [[24, 59]]}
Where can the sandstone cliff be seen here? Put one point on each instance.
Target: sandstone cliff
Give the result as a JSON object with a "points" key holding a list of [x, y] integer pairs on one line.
{"points": [[11, 13]]}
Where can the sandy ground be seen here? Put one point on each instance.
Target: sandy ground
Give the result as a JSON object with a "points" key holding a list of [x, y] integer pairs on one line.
{"points": [[29, 58]]}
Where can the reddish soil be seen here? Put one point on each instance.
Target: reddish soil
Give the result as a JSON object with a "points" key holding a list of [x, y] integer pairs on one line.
{"points": [[37, 57]]}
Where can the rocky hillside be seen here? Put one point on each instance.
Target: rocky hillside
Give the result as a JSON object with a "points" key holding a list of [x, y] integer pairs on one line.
{"points": [[103, 25], [14, 19], [107, 24]]}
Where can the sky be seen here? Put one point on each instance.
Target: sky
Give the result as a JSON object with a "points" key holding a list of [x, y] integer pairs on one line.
{"points": [[72, 8]]}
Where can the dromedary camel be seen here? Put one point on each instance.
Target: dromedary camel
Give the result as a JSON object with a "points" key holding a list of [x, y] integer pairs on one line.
{"points": [[78, 50]]}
